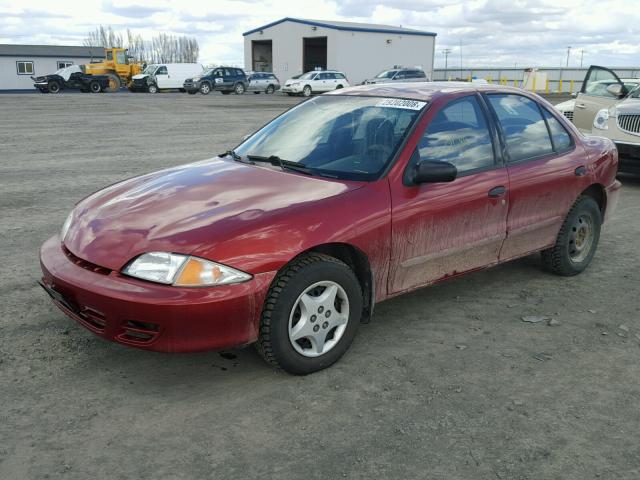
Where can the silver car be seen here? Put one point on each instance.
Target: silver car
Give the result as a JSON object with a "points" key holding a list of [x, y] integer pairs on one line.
{"points": [[265, 82], [399, 75]]}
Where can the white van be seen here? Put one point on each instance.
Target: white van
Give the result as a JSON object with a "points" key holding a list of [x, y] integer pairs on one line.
{"points": [[163, 76]]}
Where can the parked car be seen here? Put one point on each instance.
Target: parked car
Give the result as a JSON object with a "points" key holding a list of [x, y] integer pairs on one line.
{"points": [[596, 88], [265, 82], [317, 81], [164, 76], [222, 79], [341, 202], [617, 116], [399, 75], [71, 78]]}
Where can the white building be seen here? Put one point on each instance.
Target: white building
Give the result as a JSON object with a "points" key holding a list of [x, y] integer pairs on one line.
{"points": [[18, 63], [292, 46]]}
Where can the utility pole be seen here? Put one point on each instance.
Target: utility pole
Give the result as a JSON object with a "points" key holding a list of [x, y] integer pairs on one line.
{"points": [[568, 54], [446, 52], [581, 57]]}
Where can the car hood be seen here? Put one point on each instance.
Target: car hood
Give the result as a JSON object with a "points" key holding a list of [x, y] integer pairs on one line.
{"points": [[630, 106], [139, 76], [179, 209], [568, 105]]}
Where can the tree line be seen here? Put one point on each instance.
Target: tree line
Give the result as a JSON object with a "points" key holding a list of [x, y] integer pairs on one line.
{"points": [[162, 48]]}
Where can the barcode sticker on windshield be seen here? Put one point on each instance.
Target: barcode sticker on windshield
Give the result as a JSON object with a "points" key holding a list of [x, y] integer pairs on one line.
{"points": [[400, 103]]}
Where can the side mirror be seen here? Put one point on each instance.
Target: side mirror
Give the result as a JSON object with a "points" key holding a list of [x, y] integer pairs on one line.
{"points": [[616, 89], [429, 171]]}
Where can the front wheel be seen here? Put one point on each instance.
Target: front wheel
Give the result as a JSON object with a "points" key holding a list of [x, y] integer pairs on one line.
{"points": [[54, 87], [577, 240], [306, 91], [95, 87], [311, 314], [205, 88], [153, 88], [239, 89]]}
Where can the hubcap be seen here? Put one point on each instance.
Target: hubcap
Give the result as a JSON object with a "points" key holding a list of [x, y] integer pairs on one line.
{"points": [[318, 319], [581, 238], [205, 88]]}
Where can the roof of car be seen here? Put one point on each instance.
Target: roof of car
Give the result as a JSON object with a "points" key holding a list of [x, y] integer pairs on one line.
{"points": [[419, 90]]}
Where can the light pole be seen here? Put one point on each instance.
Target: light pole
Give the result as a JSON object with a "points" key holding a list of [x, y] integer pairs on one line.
{"points": [[446, 52], [581, 57], [568, 53]]}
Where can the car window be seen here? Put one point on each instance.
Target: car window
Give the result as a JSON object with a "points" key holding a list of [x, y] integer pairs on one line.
{"points": [[339, 76], [218, 73], [459, 134], [161, 70], [347, 137], [121, 58], [400, 76], [559, 135], [240, 73], [598, 81], [524, 128]]}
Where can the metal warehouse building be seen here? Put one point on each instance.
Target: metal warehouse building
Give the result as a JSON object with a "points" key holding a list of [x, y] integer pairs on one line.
{"points": [[19, 62], [292, 46]]}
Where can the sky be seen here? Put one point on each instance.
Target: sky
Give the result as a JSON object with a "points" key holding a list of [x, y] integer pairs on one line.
{"points": [[522, 33]]}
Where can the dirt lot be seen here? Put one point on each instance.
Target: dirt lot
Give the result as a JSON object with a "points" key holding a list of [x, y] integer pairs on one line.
{"points": [[445, 383]]}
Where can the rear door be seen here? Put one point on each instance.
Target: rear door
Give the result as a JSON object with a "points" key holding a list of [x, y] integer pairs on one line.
{"points": [[593, 96], [443, 229], [547, 171]]}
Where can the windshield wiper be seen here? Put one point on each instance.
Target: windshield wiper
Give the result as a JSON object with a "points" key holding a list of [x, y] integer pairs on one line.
{"points": [[283, 164], [235, 156]]}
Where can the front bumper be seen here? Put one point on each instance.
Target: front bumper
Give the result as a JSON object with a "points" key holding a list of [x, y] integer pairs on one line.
{"points": [[629, 157], [291, 89], [192, 86], [148, 315]]}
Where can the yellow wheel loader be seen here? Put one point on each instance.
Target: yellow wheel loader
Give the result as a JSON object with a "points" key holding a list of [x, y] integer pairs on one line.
{"points": [[116, 66]]}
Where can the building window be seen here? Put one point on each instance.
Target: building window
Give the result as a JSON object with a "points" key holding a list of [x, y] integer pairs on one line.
{"points": [[24, 68], [64, 64]]}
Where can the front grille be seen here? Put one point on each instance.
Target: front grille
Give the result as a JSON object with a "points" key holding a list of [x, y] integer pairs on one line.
{"points": [[629, 123], [568, 114], [85, 264]]}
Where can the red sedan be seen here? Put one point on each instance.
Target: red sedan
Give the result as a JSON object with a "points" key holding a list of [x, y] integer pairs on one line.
{"points": [[343, 201]]}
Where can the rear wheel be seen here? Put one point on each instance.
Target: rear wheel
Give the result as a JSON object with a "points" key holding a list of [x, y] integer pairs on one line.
{"points": [[306, 91], [270, 89], [114, 82], [205, 88], [54, 87], [95, 87], [311, 314], [577, 240], [239, 88]]}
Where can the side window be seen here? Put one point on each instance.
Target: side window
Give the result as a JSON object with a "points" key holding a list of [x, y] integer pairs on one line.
{"points": [[598, 81], [217, 73], [240, 73], [24, 68], [162, 71], [226, 72], [400, 76], [110, 55], [524, 128], [459, 134], [420, 74], [559, 135]]}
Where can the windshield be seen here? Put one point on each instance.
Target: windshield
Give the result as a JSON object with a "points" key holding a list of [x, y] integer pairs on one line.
{"points": [[150, 70], [207, 73], [386, 74], [306, 76], [347, 137]]}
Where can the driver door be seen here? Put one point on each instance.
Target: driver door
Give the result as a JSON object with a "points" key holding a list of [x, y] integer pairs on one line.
{"points": [[162, 77], [593, 96], [444, 229]]}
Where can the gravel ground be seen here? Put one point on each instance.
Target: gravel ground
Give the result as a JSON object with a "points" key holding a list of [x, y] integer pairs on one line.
{"points": [[447, 382]]}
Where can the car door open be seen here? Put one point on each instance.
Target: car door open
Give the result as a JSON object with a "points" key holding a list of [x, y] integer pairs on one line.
{"points": [[595, 95], [442, 229]]}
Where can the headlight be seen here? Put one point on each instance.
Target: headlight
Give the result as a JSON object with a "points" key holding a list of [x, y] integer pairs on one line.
{"points": [[601, 120], [65, 226], [182, 270], [295, 84]]}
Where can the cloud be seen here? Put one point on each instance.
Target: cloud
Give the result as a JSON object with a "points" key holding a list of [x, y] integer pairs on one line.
{"points": [[487, 32]]}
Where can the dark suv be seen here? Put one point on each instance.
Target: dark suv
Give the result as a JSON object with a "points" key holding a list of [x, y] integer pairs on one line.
{"points": [[223, 79]]}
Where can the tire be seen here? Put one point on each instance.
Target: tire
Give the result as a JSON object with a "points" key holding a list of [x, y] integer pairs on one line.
{"points": [[53, 87], [577, 240], [330, 331], [192, 92], [306, 91], [205, 88], [270, 89], [114, 82], [153, 88], [95, 87], [239, 88]]}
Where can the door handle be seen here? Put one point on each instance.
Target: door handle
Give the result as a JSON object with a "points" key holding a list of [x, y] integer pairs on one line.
{"points": [[498, 191], [580, 105], [581, 171]]}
